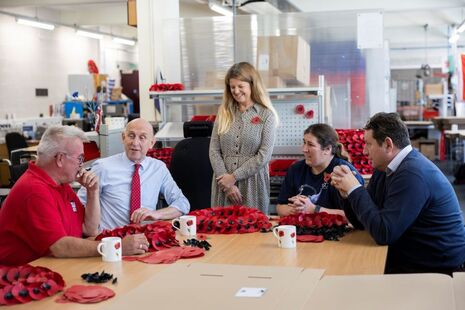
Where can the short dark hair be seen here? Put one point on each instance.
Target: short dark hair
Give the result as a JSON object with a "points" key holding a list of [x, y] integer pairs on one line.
{"points": [[326, 136], [390, 125]]}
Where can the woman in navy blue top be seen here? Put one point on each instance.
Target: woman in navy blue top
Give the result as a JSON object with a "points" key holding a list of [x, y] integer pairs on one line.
{"points": [[306, 187]]}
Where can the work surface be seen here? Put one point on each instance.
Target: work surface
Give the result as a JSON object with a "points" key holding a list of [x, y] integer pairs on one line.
{"points": [[356, 253]]}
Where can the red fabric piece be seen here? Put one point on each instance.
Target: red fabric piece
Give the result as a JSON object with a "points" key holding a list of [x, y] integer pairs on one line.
{"points": [[86, 294], [310, 238], [36, 214], [168, 256], [135, 190], [191, 252]]}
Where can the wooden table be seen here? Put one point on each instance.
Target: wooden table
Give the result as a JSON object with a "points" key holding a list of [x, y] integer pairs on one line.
{"points": [[356, 253]]}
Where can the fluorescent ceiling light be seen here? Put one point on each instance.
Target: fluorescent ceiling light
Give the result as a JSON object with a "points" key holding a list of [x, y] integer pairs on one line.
{"points": [[34, 23], [461, 27], [454, 38], [124, 41], [89, 34], [220, 10]]}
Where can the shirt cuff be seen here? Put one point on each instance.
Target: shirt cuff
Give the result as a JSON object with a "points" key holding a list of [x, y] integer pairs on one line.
{"points": [[353, 188]]}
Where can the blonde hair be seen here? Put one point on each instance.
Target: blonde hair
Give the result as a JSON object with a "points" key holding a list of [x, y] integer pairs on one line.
{"points": [[245, 72]]}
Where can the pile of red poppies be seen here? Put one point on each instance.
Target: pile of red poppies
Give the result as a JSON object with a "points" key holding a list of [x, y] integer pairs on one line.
{"points": [[231, 220], [330, 226], [86, 294], [22, 284], [159, 234], [352, 139], [164, 154], [166, 87]]}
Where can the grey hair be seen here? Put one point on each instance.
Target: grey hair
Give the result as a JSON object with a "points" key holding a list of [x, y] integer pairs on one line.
{"points": [[52, 140]]}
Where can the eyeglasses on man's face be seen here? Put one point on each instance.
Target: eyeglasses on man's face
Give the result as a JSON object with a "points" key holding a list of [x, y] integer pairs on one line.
{"points": [[80, 158]]}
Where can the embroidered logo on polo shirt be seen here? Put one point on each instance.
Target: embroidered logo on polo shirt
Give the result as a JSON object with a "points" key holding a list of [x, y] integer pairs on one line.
{"points": [[73, 206]]}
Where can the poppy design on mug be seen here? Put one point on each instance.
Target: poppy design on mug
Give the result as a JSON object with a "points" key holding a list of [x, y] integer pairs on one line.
{"points": [[189, 224]]}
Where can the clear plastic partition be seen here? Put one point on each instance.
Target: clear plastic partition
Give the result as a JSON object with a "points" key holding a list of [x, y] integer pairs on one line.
{"points": [[289, 50]]}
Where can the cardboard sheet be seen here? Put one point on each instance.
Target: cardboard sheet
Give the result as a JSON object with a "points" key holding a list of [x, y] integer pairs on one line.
{"points": [[214, 286], [412, 291]]}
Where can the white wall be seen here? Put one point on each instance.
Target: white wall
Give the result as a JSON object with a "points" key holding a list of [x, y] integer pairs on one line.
{"points": [[33, 58]]}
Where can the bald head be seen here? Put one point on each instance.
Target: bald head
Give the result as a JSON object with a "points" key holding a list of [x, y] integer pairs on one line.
{"points": [[138, 138]]}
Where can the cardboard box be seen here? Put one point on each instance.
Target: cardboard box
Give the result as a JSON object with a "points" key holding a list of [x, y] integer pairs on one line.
{"points": [[428, 148], [116, 93], [273, 81], [427, 291], [285, 56], [212, 286], [132, 13], [100, 80], [433, 89]]}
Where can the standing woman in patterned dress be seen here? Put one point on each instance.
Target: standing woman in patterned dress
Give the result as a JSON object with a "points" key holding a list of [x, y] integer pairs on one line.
{"points": [[242, 141]]}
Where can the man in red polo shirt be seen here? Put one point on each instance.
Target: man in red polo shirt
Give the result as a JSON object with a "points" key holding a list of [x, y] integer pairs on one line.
{"points": [[43, 216]]}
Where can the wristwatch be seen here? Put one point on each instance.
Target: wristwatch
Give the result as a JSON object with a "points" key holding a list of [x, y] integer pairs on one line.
{"points": [[317, 209]]}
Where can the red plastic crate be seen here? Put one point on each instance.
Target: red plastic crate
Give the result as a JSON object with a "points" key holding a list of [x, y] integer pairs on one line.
{"points": [[207, 118]]}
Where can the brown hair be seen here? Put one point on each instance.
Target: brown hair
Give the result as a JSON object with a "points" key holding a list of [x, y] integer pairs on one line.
{"points": [[390, 125], [326, 137]]}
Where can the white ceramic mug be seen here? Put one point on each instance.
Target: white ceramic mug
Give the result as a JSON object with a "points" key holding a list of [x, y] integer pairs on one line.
{"points": [[286, 236], [187, 225], [111, 249]]}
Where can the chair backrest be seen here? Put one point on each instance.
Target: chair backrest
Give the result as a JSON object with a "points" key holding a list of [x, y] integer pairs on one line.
{"points": [[14, 141], [16, 171], [192, 171]]}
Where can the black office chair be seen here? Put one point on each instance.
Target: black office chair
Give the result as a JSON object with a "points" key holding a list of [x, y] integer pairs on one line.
{"points": [[190, 164], [16, 171], [15, 141]]}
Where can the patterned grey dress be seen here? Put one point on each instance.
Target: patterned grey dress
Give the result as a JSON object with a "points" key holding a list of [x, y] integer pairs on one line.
{"points": [[245, 151]]}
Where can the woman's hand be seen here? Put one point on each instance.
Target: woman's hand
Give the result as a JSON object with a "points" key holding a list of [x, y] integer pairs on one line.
{"points": [[225, 181], [234, 195], [302, 204]]}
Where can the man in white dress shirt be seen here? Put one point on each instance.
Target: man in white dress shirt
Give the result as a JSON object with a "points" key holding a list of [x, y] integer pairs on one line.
{"points": [[116, 174]]}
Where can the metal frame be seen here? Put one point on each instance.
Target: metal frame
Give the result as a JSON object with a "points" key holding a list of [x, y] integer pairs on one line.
{"points": [[172, 131]]}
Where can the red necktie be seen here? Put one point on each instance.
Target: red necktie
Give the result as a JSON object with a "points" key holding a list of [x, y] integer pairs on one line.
{"points": [[135, 190]]}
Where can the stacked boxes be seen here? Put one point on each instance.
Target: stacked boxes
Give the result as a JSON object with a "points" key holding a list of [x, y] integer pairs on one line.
{"points": [[286, 57]]}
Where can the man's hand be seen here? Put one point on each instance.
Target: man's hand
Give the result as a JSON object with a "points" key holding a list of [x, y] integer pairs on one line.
{"points": [[87, 179], [225, 181], [135, 244], [343, 179], [143, 214], [302, 204], [234, 195]]}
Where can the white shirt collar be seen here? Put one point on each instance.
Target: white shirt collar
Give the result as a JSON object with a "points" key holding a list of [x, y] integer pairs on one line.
{"points": [[395, 162], [142, 163]]}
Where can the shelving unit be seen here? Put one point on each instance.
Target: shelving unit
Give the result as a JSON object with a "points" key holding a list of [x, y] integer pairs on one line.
{"points": [[292, 125]]}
